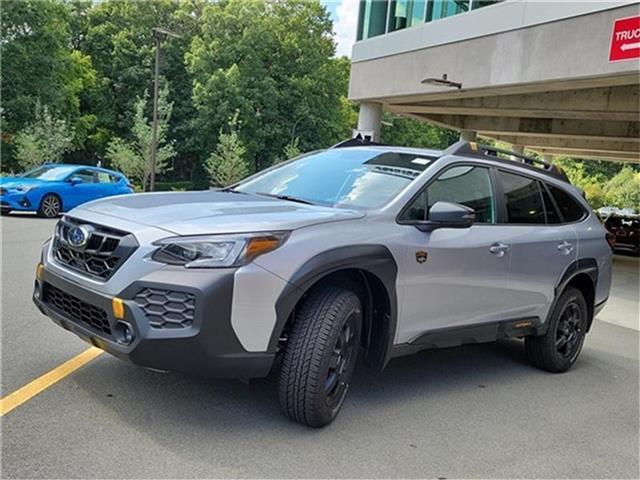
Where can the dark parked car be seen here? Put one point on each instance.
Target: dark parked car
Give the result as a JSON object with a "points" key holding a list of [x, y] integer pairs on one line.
{"points": [[626, 229]]}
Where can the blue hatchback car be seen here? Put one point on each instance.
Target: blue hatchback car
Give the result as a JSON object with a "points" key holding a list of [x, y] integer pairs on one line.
{"points": [[55, 188]]}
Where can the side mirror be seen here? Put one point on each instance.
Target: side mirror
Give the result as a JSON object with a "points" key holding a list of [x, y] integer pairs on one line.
{"points": [[447, 215], [75, 180]]}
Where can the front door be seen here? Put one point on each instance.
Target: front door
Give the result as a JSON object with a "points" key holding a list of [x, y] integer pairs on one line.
{"points": [[453, 277]]}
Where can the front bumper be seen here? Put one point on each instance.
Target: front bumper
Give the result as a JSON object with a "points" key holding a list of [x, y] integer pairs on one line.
{"points": [[207, 345], [16, 201]]}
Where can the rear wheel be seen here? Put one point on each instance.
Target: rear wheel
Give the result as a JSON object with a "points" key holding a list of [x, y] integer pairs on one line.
{"points": [[320, 356], [558, 349], [50, 206]]}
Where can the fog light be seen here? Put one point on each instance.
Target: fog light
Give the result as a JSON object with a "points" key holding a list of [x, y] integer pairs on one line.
{"points": [[118, 307], [40, 271], [123, 333]]}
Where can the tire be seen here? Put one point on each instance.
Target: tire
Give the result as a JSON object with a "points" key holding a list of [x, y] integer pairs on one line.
{"points": [[560, 346], [50, 206], [320, 356], [5, 211]]}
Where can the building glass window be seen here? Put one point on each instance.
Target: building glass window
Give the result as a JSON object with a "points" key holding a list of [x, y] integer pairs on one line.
{"points": [[372, 18], [377, 17]]}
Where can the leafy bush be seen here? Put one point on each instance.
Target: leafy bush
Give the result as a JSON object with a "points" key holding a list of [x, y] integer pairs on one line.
{"points": [[226, 165], [45, 140], [133, 157]]}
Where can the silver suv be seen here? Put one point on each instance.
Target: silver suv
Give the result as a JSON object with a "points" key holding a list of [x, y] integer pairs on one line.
{"points": [[360, 250]]}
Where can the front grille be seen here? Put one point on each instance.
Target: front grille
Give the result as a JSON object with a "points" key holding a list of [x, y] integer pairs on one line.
{"points": [[76, 309], [167, 308], [105, 251]]}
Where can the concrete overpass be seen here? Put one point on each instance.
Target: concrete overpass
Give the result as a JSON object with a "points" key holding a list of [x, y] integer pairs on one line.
{"points": [[537, 75]]}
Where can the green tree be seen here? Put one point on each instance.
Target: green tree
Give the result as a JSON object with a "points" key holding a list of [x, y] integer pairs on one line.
{"points": [[227, 165], [623, 190], [408, 132], [40, 65], [118, 36], [273, 63], [45, 140], [291, 150], [133, 157]]}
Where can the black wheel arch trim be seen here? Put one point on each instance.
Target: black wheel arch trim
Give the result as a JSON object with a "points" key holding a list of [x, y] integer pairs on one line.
{"points": [[374, 259], [588, 266]]}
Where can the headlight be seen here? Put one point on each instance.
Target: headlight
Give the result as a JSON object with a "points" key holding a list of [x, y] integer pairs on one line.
{"points": [[217, 251], [25, 188]]}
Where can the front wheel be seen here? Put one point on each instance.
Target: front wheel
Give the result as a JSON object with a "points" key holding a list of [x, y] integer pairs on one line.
{"points": [[559, 347], [50, 206], [5, 211], [320, 356]]}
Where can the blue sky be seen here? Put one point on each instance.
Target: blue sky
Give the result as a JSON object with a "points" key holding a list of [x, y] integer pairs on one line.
{"points": [[344, 14]]}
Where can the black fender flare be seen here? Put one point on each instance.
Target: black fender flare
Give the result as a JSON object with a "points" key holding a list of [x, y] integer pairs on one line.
{"points": [[374, 259], [588, 266]]}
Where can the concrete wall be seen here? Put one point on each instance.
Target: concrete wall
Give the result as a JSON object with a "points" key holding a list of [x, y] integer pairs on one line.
{"points": [[568, 50]]}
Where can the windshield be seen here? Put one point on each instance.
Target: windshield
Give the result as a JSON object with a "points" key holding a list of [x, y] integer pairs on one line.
{"points": [[363, 178], [50, 172]]}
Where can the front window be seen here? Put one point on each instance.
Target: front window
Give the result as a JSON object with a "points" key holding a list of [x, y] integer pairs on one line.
{"points": [[361, 178], [50, 172], [467, 185]]}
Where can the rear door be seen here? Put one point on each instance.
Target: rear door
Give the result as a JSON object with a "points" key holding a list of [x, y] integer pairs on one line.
{"points": [[107, 184], [541, 245], [453, 277]]}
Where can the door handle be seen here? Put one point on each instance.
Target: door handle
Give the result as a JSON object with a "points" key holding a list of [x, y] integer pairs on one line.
{"points": [[499, 249], [565, 247]]}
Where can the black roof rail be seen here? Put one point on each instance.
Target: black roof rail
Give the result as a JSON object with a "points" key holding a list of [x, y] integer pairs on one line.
{"points": [[357, 142], [485, 151]]}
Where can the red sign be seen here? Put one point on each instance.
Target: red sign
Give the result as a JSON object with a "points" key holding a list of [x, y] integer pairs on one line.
{"points": [[625, 40]]}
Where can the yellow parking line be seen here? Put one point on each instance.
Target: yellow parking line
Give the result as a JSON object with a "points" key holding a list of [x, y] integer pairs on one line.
{"points": [[40, 384]]}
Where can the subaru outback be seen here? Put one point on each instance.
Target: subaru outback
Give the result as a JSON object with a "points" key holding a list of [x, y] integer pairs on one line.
{"points": [[360, 251]]}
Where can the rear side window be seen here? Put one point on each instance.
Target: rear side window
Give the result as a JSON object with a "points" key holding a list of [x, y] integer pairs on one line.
{"points": [[570, 208], [104, 177], [523, 199]]}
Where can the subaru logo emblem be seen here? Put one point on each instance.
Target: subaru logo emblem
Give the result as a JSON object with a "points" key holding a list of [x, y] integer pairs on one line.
{"points": [[78, 236]]}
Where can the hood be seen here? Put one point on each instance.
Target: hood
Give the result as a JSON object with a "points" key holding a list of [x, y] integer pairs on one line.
{"points": [[197, 213], [13, 182]]}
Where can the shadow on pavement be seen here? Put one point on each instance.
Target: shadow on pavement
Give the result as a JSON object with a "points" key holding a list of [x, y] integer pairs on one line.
{"points": [[158, 402]]}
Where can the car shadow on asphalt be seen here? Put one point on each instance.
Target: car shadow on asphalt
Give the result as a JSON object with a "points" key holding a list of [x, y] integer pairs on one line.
{"points": [[161, 402]]}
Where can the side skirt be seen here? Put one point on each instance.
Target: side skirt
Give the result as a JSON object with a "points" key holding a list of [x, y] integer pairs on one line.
{"points": [[487, 332]]}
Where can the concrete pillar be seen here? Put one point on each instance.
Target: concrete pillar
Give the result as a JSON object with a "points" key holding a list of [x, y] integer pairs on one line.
{"points": [[369, 121], [468, 135]]}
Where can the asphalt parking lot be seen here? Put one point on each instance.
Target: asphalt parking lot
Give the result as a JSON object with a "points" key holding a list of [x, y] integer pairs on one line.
{"points": [[476, 412]]}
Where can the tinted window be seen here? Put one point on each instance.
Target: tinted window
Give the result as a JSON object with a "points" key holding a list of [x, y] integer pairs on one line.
{"points": [[467, 185], [523, 199], [358, 177], [549, 207], [570, 209], [86, 176]]}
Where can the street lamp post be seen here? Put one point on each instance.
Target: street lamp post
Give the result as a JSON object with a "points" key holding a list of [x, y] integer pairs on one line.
{"points": [[159, 34]]}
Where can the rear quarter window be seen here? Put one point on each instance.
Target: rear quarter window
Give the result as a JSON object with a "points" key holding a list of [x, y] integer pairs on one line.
{"points": [[570, 209]]}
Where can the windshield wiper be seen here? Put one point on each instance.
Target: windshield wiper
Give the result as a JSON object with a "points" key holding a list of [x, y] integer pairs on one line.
{"points": [[285, 197]]}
